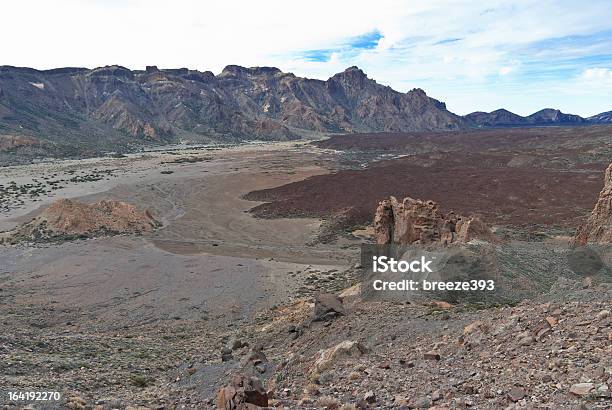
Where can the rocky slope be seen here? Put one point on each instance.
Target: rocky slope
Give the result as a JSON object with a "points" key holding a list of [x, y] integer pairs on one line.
{"points": [[112, 107], [598, 228], [539, 355]]}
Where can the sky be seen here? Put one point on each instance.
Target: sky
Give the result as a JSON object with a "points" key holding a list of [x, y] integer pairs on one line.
{"points": [[473, 55]]}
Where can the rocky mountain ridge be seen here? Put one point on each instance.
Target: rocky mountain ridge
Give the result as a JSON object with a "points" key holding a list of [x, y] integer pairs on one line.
{"points": [[547, 116], [112, 107]]}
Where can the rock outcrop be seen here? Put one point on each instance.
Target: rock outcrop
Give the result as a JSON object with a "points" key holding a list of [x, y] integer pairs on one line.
{"points": [[242, 393], [413, 221], [328, 358], [69, 219], [598, 228]]}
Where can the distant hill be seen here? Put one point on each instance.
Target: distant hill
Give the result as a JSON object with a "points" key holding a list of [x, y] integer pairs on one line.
{"points": [[547, 116], [505, 118], [495, 118], [603, 118], [76, 110]]}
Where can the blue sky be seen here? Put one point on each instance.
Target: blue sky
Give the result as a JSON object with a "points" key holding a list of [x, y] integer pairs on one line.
{"points": [[474, 55]]}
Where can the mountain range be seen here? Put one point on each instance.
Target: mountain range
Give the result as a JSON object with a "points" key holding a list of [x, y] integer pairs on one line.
{"points": [[76, 111], [547, 116]]}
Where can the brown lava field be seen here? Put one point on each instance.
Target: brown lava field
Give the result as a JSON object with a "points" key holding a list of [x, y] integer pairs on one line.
{"points": [[512, 177]]}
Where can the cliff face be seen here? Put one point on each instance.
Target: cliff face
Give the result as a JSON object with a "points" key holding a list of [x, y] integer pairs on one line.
{"points": [[598, 228], [112, 105]]}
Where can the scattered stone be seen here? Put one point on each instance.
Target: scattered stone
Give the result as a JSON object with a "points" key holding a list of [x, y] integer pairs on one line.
{"points": [[237, 344], [431, 355], [516, 393], [440, 304], [325, 359], [327, 307], [370, 397], [241, 392], [384, 365], [581, 389], [354, 375], [226, 354], [603, 314]]}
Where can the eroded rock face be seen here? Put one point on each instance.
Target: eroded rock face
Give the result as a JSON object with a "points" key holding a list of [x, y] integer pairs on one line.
{"points": [[242, 393], [67, 218], [413, 221], [598, 228]]}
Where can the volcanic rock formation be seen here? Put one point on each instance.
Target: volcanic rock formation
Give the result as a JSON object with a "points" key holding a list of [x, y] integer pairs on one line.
{"points": [[598, 228], [413, 221], [68, 219]]}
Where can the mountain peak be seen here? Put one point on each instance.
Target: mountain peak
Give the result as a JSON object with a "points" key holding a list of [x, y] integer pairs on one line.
{"points": [[351, 76], [354, 68]]}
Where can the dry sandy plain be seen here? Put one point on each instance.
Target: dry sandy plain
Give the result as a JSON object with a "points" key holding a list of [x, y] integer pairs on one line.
{"points": [[212, 265]]}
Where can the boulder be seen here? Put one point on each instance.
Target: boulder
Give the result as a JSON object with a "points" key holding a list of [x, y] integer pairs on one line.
{"points": [[327, 306], [598, 228], [413, 221], [242, 393], [471, 228], [326, 359]]}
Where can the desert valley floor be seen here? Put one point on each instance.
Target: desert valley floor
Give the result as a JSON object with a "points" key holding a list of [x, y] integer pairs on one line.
{"points": [[251, 233]]}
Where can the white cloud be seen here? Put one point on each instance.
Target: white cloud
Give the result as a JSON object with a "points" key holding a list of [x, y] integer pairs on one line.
{"points": [[598, 76]]}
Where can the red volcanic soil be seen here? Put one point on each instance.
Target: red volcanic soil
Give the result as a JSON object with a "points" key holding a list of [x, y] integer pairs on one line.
{"points": [[519, 177]]}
